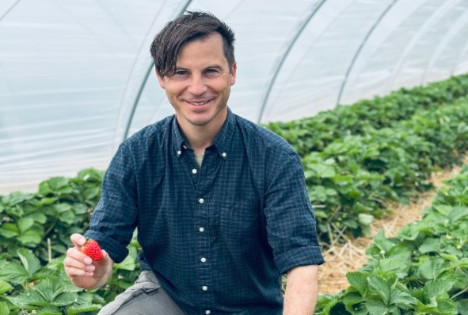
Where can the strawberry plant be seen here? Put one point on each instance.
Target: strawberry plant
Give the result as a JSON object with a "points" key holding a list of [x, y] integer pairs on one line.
{"points": [[424, 270], [350, 180], [315, 133], [34, 235]]}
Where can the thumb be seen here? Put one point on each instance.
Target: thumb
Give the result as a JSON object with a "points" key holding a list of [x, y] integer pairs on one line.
{"points": [[106, 258], [77, 239]]}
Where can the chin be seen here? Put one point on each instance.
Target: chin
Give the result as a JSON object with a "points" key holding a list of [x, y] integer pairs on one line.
{"points": [[199, 121]]}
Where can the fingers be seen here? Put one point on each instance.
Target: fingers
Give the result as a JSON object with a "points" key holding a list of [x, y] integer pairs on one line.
{"points": [[78, 264]]}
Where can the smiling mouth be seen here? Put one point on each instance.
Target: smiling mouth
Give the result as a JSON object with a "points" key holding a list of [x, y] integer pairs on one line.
{"points": [[198, 103]]}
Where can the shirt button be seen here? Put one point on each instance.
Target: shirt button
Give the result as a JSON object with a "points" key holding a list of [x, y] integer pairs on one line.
{"points": [[208, 312], [201, 200], [201, 229], [203, 259], [194, 171], [204, 288], [179, 152], [224, 154]]}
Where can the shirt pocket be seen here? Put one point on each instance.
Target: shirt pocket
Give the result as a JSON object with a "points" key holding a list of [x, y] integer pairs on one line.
{"points": [[239, 222]]}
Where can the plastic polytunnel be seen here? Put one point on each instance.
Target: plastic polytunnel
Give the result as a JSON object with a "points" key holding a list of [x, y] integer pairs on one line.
{"points": [[76, 76]]}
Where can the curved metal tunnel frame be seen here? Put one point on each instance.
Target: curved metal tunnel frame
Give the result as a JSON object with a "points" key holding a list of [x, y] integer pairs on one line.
{"points": [[131, 98]]}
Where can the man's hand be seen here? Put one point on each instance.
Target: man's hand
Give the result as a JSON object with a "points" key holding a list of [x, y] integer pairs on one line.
{"points": [[82, 270], [301, 291]]}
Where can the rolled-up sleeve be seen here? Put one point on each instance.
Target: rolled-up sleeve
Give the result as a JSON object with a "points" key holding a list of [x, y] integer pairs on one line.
{"points": [[290, 220], [114, 218]]}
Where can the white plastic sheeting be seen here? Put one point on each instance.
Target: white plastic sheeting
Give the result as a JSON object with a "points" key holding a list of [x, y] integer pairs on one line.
{"points": [[76, 76]]}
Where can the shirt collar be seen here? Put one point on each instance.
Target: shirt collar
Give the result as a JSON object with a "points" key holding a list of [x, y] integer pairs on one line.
{"points": [[221, 141], [223, 138], [178, 142]]}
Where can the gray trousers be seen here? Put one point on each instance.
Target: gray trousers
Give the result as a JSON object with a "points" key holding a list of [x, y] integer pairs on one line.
{"points": [[145, 297]]}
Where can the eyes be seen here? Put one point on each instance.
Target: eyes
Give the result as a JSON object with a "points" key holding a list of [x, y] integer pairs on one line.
{"points": [[211, 72]]}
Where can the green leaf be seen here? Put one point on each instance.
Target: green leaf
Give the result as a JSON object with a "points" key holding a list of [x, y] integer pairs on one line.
{"points": [[31, 298], [401, 298], [80, 208], [357, 280], [46, 201], [322, 170], [31, 237], [462, 306], [4, 287], [457, 213], [449, 257], [380, 286], [13, 272], [430, 268], [127, 264], [30, 262], [4, 308], [365, 219], [409, 232], [17, 197], [430, 245], [39, 217], [67, 286], [67, 217], [435, 288], [9, 230], [55, 185], [91, 193], [447, 306], [50, 310], [62, 207], [65, 298], [381, 242], [395, 263], [83, 309], [354, 303], [24, 224], [376, 306], [44, 293]]}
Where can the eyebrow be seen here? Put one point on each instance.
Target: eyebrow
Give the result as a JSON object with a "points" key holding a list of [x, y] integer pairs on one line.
{"points": [[216, 66]]}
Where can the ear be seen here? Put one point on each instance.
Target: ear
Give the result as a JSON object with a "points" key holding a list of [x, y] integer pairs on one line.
{"points": [[233, 73], [160, 79]]}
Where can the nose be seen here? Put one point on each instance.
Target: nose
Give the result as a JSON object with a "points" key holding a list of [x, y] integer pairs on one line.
{"points": [[197, 86]]}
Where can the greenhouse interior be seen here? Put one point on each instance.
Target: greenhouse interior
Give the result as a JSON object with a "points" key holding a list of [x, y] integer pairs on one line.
{"points": [[77, 79]]}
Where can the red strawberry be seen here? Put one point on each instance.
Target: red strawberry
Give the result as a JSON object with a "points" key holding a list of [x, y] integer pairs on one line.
{"points": [[92, 249]]}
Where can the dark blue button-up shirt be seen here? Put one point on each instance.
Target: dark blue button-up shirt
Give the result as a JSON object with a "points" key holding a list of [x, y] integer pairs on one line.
{"points": [[219, 236]]}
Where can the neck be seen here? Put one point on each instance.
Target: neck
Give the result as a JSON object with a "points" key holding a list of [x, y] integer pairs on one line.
{"points": [[201, 137]]}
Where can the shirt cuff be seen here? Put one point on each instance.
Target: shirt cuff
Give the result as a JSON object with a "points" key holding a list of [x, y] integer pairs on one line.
{"points": [[301, 256]]}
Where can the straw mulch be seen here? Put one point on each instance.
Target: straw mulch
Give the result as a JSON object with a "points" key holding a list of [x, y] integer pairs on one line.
{"points": [[343, 258]]}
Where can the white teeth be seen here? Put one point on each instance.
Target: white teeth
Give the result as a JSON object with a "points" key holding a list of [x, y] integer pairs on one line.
{"points": [[199, 103]]}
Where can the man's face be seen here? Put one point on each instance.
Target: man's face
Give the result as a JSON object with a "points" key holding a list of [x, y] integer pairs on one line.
{"points": [[200, 87]]}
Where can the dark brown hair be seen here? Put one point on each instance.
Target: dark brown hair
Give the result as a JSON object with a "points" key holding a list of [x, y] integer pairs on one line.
{"points": [[188, 27]]}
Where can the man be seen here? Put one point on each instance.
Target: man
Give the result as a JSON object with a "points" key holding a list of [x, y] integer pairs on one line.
{"points": [[220, 203]]}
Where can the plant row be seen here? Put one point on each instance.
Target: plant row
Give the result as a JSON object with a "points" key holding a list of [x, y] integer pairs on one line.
{"points": [[315, 133], [34, 235], [352, 179], [424, 270]]}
